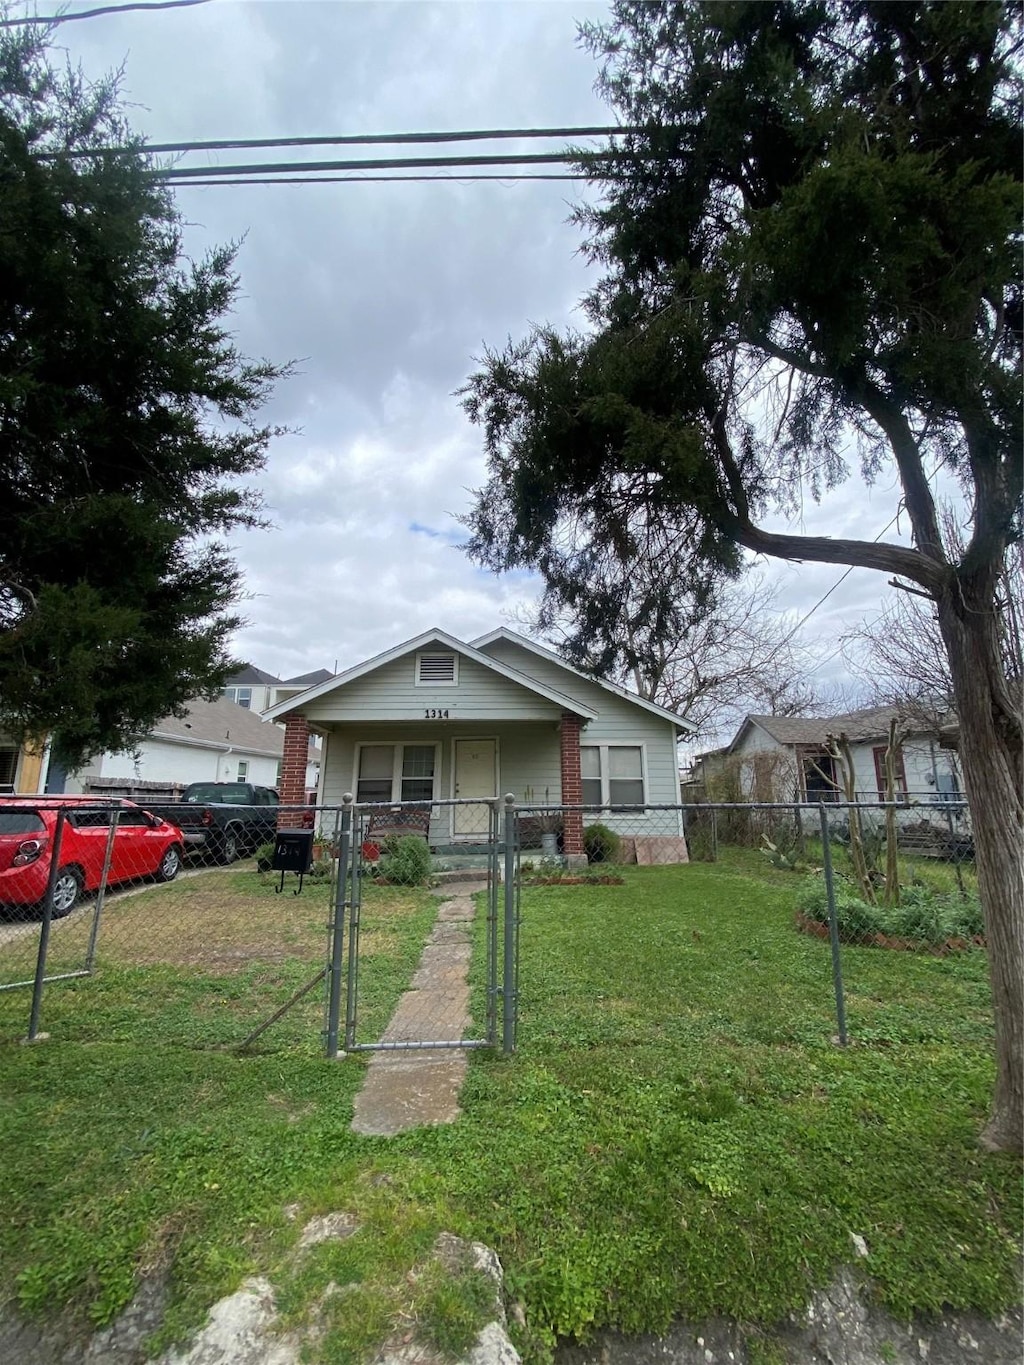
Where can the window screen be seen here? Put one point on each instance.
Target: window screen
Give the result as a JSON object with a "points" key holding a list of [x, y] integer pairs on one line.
{"points": [[590, 769], [418, 772], [625, 776], [376, 768]]}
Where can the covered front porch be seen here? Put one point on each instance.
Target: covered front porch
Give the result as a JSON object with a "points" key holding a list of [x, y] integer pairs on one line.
{"points": [[395, 763]]}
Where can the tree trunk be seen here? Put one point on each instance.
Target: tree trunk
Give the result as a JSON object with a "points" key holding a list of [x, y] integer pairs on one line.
{"points": [[990, 753]]}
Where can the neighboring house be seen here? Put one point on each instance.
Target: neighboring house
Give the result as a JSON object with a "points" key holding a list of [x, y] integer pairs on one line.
{"points": [[437, 717], [21, 767], [257, 691], [212, 743], [216, 741], [777, 757]]}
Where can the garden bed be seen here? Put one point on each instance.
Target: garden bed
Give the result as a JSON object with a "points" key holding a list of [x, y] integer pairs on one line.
{"points": [[955, 944]]}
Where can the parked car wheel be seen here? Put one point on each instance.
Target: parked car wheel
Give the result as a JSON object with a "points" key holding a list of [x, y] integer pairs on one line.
{"points": [[170, 864], [229, 850], [66, 891]]}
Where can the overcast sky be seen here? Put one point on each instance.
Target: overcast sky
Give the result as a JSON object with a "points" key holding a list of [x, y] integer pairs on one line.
{"points": [[385, 293]]}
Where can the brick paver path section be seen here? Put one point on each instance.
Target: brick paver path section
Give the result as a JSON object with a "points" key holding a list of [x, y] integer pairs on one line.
{"points": [[405, 1090]]}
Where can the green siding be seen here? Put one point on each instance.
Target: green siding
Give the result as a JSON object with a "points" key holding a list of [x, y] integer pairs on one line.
{"points": [[391, 694]]}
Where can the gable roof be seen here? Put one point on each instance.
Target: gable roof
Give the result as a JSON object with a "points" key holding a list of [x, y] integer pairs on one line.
{"points": [[502, 634], [318, 675], [871, 722], [221, 724], [249, 674], [430, 637]]}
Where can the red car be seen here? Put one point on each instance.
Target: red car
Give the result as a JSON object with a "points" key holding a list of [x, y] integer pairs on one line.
{"points": [[144, 846]]}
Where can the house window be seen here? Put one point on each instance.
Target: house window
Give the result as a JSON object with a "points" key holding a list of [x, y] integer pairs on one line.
{"points": [[899, 777], [243, 770], [8, 768], [241, 696], [437, 670], [613, 774], [397, 772], [819, 774]]}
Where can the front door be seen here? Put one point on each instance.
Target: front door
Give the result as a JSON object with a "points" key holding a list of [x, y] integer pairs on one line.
{"points": [[476, 778]]}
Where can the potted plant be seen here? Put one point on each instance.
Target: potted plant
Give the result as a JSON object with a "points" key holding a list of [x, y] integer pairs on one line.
{"points": [[323, 847], [549, 822]]}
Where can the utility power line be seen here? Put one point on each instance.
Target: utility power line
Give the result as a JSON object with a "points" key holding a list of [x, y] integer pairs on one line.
{"points": [[395, 163], [368, 179], [357, 140]]}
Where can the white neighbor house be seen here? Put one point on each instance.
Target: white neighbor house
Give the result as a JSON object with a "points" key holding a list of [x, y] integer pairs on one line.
{"points": [[436, 718], [789, 755], [216, 741]]}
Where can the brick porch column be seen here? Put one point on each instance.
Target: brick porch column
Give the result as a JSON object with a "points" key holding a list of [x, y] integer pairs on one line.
{"points": [[293, 771], [572, 787]]}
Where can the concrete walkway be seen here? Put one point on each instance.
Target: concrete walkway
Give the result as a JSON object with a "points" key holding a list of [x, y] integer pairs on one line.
{"points": [[404, 1090]]}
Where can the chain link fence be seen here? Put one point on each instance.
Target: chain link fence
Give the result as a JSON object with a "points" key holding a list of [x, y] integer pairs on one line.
{"points": [[106, 901], [145, 933], [451, 999], [320, 935], [866, 878]]}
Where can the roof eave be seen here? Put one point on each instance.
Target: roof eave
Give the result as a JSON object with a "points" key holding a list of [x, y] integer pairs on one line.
{"points": [[683, 725]]}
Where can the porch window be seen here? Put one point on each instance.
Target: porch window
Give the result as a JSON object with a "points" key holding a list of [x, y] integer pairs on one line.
{"points": [[418, 772], [376, 772], [396, 772], [613, 775]]}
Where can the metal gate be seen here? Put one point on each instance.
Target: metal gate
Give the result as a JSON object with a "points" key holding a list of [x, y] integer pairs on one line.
{"points": [[436, 994]]}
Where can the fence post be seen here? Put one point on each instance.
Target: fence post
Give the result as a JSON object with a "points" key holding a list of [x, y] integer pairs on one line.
{"points": [[338, 926], [493, 868], [44, 930], [833, 924], [508, 992], [94, 932], [354, 909]]}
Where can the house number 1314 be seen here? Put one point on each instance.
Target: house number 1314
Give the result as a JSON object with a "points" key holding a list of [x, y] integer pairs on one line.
{"points": [[433, 713]]}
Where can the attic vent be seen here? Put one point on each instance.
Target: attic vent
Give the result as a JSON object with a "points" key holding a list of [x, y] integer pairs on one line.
{"points": [[436, 668]]}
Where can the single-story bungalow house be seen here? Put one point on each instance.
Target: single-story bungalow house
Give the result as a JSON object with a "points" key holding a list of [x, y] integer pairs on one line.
{"points": [[437, 718], [778, 757]]}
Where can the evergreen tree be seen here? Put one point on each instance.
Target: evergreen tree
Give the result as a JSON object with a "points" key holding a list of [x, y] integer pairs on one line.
{"points": [[127, 420], [811, 240]]}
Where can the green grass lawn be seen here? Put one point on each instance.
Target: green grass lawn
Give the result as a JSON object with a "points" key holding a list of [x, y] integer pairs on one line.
{"points": [[677, 1133]]}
